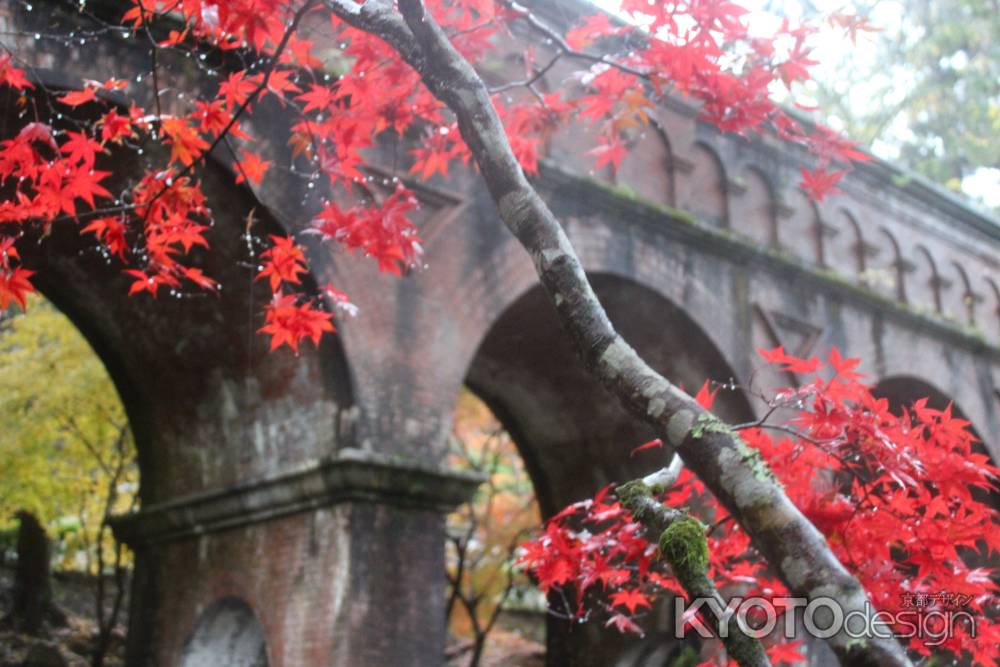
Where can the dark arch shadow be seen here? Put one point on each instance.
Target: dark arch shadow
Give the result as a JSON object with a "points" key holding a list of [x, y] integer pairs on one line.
{"points": [[903, 390], [227, 634], [165, 351], [192, 372], [570, 431]]}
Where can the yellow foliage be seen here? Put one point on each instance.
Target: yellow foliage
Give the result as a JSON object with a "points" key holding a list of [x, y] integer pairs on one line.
{"points": [[502, 514], [63, 433]]}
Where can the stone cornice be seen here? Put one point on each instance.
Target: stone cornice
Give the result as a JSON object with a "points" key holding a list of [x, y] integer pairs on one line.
{"points": [[624, 205], [352, 476]]}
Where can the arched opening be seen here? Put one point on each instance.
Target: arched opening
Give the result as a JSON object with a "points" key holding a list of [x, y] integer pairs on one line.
{"points": [[889, 276], [990, 321], [67, 460], [573, 436], [958, 300], [845, 250], [801, 233], [926, 284], [755, 209], [903, 390], [704, 190], [494, 612], [228, 634], [648, 168], [190, 366]]}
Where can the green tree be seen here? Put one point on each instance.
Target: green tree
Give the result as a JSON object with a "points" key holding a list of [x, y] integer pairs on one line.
{"points": [[66, 451], [927, 93]]}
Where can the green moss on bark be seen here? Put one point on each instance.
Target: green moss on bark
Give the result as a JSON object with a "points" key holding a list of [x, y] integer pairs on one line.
{"points": [[684, 546]]}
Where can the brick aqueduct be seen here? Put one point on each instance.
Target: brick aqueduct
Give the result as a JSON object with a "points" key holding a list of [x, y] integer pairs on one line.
{"points": [[292, 508]]}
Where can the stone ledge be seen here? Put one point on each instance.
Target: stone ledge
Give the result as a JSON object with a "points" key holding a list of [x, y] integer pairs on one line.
{"points": [[353, 475], [588, 195]]}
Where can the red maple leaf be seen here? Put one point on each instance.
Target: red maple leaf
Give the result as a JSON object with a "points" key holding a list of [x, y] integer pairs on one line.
{"points": [[211, 116], [252, 167], [109, 230], [630, 599], [115, 128], [186, 145], [820, 183], [706, 396], [12, 76], [80, 149], [237, 88], [15, 286], [623, 624], [609, 151], [319, 98], [647, 445], [78, 97], [289, 323], [282, 263], [786, 652]]}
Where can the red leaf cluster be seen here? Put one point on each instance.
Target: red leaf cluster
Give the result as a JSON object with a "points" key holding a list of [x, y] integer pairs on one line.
{"points": [[55, 170], [901, 499]]}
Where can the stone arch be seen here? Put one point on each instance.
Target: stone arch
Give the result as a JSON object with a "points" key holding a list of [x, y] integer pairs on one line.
{"points": [[704, 188], [802, 231], [958, 300], [845, 250], [190, 371], [889, 275], [651, 149], [754, 209], [210, 408], [572, 434], [227, 634], [990, 321], [924, 290]]}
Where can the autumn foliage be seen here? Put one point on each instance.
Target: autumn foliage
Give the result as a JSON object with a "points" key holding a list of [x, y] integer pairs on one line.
{"points": [[897, 495], [340, 107], [901, 499]]}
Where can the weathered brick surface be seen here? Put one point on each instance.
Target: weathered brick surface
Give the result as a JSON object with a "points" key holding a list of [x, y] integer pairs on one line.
{"points": [[338, 586]]}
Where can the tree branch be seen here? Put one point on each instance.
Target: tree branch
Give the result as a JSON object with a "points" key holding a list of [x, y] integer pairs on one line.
{"points": [[732, 470], [683, 545]]}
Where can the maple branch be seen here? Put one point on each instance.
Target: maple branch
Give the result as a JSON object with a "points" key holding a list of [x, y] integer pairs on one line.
{"points": [[279, 49], [528, 83], [153, 65], [683, 545], [665, 477], [566, 50], [557, 39], [731, 469]]}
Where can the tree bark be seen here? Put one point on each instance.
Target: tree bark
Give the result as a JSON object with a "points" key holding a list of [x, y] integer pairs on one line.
{"points": [[729, 468], [684, 546]]}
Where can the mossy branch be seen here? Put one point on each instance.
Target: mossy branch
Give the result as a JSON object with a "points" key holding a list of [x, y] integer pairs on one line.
{"points": [[683, 545], [777, 527]]}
